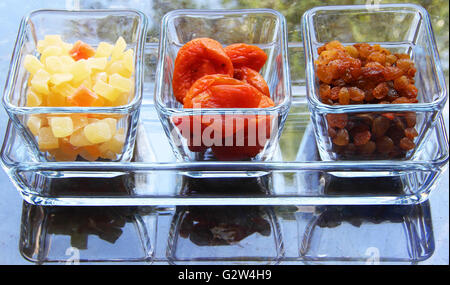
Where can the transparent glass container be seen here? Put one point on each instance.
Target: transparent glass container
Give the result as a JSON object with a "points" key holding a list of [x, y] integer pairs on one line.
{"points": [[92, 27], [264, 28], [401, 28]]}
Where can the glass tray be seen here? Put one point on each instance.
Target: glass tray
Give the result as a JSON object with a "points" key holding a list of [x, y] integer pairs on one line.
{"points": [[228, 235], [296, 176]]}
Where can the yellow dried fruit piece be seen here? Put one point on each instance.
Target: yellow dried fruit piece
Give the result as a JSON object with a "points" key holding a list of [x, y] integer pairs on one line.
{"points": [[98, 132], [65, 152], [106, 90], [34, 123], [39, 83], [59, 78], [123, 99], [97, 63], [46, 139], [118, 49], [56, 100], [67, 61], [78, 139], [128, 60], [79, 121], [108, 155], [64, 89], [49, 40], [112, 123], [118, 67], [61, 126], [80, 71], [54, 64], [103, 76], [90, 153], [32, 64], [51, 51], [115, 144], [121, 83], [33, 99], [104, 50]]}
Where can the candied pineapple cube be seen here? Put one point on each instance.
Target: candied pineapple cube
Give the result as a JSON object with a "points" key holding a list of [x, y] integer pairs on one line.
{"points": [[61, 126], [49, 40], [79, 121], [39, 83], [90, 153], [112, 123], [108, 155], [34, 123], [67, 61], [119, 82], [59, 78], [51, 51], [32, 64], [65, 152], [115, 144], [118, 49], [54, 64], [80, 71], [106, 90], [46, 139], [56, 100], [118, 67], [33, 99], [98, 132], [104, 50], [128, 60], [123, 99], [64, 89], [103, 76], [97, 63], [78, 138]]}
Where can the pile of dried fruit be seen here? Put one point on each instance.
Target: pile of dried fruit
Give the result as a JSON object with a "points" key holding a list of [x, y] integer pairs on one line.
{"points": [[367, 74], [78, 75], [206, 75]]}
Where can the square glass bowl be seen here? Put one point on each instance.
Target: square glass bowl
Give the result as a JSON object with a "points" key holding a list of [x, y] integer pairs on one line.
{"points": [[91, 27], [400, 28], [261, 127]]}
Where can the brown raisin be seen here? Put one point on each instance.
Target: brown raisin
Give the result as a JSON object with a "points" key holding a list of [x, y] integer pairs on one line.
{"points": [[406, 144], [341, 138], [384, 144], [337, 120], [361, 138]]}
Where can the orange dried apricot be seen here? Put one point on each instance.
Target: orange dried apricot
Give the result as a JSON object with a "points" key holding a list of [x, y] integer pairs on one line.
{"points": [[245, 55], [253, 78], [199, 57]]}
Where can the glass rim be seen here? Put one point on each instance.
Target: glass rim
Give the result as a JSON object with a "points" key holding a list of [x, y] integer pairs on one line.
{"points": [[14, 67], [161, 106], [312, 96]]}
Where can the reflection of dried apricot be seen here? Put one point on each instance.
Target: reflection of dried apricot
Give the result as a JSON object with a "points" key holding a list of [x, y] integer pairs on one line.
{"points": [[195, 59], [246, 55], [253, 78]]}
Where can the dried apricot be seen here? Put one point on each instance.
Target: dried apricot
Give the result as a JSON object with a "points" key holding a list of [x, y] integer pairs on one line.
{"points": [[199, 57], [221, 91], [253, 78], [245, 55]]}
